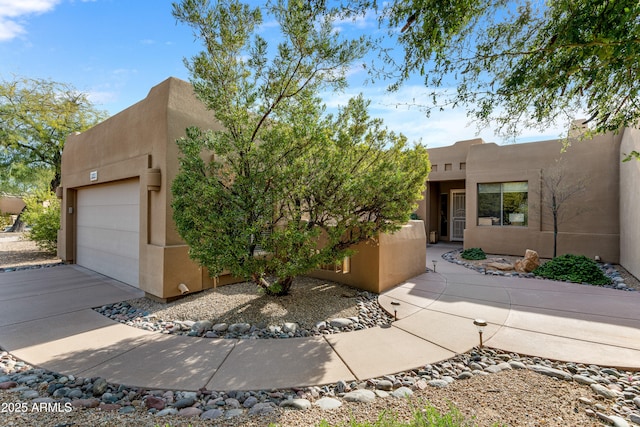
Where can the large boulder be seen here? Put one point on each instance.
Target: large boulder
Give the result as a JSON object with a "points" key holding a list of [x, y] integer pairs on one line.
{"points": [[530, 262]]}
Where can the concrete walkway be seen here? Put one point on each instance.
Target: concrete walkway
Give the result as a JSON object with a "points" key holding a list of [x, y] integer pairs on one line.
{"points": [[46, 320]]}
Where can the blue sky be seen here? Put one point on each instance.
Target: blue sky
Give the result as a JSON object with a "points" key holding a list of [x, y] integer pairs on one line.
{"points": [[116, 50]]}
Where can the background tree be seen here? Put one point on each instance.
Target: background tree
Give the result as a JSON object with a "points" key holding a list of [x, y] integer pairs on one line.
{"points": [[559, 191], [43, 215], [36, 115], [289, 187], [522, 63]]}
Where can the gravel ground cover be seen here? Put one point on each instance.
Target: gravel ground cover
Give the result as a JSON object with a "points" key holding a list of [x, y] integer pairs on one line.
{"points": [[487, 387]]}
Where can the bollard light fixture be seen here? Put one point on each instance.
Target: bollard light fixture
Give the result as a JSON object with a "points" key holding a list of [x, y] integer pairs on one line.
{"points": [[480, 324], [434, 261]]}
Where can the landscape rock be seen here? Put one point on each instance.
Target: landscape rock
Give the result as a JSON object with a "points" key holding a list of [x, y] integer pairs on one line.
{"points": [[604, 391], [328, 403], [530, 262], [402, 392], [363, 396], [300, 404], [551, 372]]}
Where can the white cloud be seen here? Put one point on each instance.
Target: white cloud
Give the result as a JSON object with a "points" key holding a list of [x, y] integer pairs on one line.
{"points": [[102, 97], [401, 113], [13, 12]]}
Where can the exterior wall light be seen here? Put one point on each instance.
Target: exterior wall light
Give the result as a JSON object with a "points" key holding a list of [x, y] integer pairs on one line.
{"points": [[480, 324], [434, 261]]}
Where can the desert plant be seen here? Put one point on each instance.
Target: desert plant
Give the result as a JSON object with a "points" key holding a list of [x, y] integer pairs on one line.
{"points": [[473, 254], [43, 216], [5, 220], [573, 268], [424, 414]]}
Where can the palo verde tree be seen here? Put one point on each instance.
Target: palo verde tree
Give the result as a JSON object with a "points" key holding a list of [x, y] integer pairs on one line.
{"points": [[36, 116], [516, 63], [288, 187]]}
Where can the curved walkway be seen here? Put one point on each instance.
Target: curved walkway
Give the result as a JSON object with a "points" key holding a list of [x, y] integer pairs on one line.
{"points": [[46, 320]]}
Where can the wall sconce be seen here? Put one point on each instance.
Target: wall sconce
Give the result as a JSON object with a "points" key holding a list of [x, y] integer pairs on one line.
{"points": [[480, 324], [434, 261]]}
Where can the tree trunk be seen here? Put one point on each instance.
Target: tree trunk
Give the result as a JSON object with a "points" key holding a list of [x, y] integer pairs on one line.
{"points": [[554, 210], [280, 287], [18, 226]]}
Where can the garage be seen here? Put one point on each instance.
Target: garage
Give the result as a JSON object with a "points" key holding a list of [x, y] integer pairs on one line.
{"points": [[108, 229]]}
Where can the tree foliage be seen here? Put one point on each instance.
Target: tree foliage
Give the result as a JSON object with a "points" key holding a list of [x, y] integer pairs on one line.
{"points": [[42, 214], [288, 187], [523, 63], [36, 116]]}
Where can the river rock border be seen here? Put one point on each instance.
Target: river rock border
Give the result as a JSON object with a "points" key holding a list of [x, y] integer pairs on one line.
{"points": [[370, 314], [609, 270], [617, 391]]}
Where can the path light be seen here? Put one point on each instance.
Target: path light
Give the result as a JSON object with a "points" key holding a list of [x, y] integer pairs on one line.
{"points": [[434, 261], [480, 324]]}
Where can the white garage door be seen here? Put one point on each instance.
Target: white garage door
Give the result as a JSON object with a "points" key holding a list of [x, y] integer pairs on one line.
{"points": [[108, 229]]}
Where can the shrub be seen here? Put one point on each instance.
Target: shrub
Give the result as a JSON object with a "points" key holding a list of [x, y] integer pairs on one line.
{"points": [[573, 268], [473, 254], [5, 220], [43, 216]]}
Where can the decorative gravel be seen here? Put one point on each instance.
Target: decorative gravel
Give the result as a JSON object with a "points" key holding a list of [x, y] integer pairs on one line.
{"points": [[314, 307], [620, 278]]}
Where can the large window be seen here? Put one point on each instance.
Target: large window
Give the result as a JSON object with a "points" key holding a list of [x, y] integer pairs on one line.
{"points": [[503, 204]]}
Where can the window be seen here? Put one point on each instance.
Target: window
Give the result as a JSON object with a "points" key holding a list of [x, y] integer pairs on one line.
{"points": [[434, 168], [463, 166], [503, 204], [343, 266], [447, 166]]}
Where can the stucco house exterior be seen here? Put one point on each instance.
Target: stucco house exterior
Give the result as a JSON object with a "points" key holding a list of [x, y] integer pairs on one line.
{"points": [[494, 197], [116, 215]]}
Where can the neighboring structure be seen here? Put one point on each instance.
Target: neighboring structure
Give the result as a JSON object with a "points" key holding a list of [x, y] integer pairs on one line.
{"points": [[493, 197], [12, 206], [116, 204]]}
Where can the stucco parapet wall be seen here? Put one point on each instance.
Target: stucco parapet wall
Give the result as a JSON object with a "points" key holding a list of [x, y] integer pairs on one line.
{"points": [[124, 169], [383, 263], [449, 163]]}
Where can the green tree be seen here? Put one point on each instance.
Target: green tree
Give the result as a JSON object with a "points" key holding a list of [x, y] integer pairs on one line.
{"points": [[517, 63], [36, 115], [288, 188], [17, 178], [42, 213]]}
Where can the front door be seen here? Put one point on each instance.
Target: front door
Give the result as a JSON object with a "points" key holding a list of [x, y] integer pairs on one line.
{"points": [[458, 214]]}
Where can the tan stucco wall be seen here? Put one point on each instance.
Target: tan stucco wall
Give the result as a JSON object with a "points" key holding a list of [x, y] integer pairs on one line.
{"points": [[594, 226], [140, 142], [11, 205], [630, 204], [382, 264]]}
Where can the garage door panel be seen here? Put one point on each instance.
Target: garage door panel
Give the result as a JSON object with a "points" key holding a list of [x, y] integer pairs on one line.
{"points": [[108, 229], [118, 242], [122, 268], [110, 217]]}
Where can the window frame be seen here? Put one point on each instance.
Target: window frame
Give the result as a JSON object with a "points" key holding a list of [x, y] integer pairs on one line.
{"points": [[481, 220]]}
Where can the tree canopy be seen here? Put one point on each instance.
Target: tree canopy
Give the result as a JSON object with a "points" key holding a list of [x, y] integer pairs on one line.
{"points": [[36, 116], [516, 63], [288, 187]]}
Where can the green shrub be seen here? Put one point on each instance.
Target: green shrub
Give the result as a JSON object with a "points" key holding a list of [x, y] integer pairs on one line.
{"points": [[573, 268], [473, 254], [43, 216], [5, 220], [425, 415]]}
